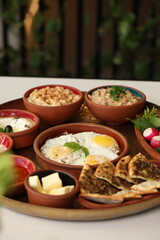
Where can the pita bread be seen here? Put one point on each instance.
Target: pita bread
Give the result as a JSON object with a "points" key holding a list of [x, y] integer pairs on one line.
{"points": [[121, 170], [106, 171], [140, 167], [89, 183], [114, 198], [147, 187]]}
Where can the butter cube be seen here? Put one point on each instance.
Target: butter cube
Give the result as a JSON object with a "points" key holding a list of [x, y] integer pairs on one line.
{"points": [[51, 181], [34, 182]]}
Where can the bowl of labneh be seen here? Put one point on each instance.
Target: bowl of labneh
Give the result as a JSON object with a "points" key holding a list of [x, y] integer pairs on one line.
{"points": [[22, 126], [67, 147]]}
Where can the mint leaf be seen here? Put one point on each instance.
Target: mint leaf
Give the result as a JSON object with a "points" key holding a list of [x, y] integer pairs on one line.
{"points": [[158, 149], [75, 146]]}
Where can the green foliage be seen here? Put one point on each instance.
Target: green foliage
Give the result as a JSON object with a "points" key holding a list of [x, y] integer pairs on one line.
{"points": [[135, 53], [6, 172]]}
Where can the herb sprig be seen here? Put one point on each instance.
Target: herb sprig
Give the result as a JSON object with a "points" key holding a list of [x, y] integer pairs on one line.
{"points": [[150, 118], [116, 91], [75, 146]]}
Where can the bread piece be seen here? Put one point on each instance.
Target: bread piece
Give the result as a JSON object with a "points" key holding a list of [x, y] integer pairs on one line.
{"points": [[106, 171], [118, 197], [89, 183], [140, 167], [121, 170], [147, 187]]}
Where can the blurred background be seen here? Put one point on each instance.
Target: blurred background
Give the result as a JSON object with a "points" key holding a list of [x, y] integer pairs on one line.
{"points": [[105, 39]]}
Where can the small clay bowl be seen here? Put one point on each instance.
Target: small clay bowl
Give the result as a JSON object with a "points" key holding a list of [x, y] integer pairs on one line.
{"points": [[6, 143], [116, 115], [55, 201], [26, 137], [22, 168], [53, 115], [74, 128]]}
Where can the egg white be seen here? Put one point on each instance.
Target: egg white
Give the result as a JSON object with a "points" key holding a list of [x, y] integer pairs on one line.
{"points": [[77, 157]]}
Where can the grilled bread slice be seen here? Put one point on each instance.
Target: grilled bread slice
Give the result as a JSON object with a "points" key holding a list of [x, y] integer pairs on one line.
{"points": [[140, 167], [106, 171], [122, 171], [89, 183]]}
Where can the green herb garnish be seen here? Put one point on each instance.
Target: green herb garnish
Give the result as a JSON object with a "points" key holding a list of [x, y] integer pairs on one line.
{"points": [[75, 146], [150, 118], [116, 91]]}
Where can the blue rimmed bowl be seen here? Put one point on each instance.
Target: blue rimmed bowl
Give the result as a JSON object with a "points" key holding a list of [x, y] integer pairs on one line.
{"points": [[116, 115]]}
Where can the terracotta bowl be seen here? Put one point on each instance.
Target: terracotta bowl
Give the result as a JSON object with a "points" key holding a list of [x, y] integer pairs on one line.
{"points": [[22, 167], [56, 201], [53, 115], [115, 115], [6, 142], [146, 146], [74, 128], [26, 137]]}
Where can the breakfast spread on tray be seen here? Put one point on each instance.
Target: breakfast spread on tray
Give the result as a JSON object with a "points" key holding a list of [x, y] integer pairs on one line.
{"points": [[101, 180], [53, 96], [113, 96], [76, 149], [113, 184]]}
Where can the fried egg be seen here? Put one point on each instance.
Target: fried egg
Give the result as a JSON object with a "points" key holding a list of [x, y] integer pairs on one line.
{"points": [[99, 146], [95, 159]]}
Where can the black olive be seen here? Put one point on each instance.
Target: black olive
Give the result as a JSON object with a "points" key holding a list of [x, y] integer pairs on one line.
{"points": [[8, 129]]}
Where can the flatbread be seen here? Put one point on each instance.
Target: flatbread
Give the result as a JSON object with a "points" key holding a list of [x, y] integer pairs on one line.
{"points": [[147, 187], [89, 183], [106, 171], [118, 197], [121, 170], [140, 167]]}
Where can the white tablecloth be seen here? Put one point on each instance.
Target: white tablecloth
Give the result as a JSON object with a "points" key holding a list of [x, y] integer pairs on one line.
{"points": [[16, 226]]}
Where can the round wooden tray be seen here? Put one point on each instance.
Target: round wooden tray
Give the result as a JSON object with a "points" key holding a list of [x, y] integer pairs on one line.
{"points": [[79, 213]]}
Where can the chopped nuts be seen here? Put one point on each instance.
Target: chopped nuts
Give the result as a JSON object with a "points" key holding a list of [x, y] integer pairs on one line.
{"points": [[53, 96]]}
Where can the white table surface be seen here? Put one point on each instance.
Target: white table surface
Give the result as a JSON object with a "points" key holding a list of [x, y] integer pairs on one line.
{"points": [[15, 226]]}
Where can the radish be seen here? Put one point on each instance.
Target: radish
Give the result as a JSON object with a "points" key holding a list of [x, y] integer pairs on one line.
{"points": [[155, 141], [149, 133]]}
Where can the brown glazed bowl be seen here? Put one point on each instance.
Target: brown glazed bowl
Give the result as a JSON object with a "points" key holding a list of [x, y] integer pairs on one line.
{"points": [[146, 146], [55, 201], [26, 137], [74, 128], [22, 167], [53, 115], [115, 115], [5, 141]]}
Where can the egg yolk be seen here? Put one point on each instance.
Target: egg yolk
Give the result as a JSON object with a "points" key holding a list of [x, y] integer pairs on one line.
{"points": [[95, 159], [59, 151], [104, 140]]}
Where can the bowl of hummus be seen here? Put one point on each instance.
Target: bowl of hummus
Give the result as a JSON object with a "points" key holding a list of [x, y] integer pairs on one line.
{"points": [[54, 104], [115, 104]]}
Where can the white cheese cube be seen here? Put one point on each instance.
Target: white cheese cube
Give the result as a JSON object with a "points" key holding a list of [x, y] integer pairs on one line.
{"points": [[51, 181], [34, 182], [61, 190]]}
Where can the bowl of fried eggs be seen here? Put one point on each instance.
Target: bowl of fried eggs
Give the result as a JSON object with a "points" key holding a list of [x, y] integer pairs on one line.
{"points": [[68, 147]]}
